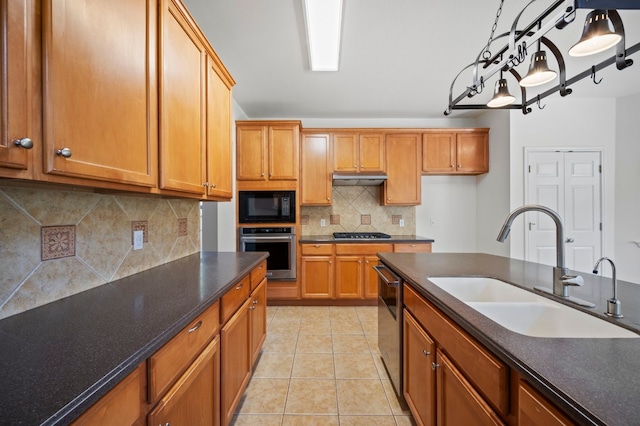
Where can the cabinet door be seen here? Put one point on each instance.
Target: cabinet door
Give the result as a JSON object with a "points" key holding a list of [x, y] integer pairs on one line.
{"points": [[349, 280], [370, 277], [316, 170], [345, 152], [419, 352], [235, 361], [219, 176], [472, 153], [317, 277], [182, 116], [372, 158], [15, 92], [403, 169], [100, 90], [194, 399], [439, 153], [283, 152], [458, 403], [251, 141], [258, 314]]}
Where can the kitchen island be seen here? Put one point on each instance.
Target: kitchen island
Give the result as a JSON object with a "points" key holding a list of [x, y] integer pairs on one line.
{"points": [[591, 380], [57, 360]]}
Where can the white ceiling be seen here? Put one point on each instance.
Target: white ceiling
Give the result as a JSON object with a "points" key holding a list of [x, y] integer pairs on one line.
{"points": [[398, 57]]}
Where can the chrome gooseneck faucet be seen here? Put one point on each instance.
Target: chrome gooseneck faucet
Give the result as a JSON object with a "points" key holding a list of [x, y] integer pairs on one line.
{"points": [[613, 304], [561, 279]]}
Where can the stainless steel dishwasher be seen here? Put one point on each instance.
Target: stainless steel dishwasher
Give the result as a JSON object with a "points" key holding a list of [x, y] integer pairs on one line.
{"points": [[390, 325]]}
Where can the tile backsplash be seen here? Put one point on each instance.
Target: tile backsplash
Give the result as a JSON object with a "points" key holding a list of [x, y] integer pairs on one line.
{"points": [[54, 243], [358, 209]]}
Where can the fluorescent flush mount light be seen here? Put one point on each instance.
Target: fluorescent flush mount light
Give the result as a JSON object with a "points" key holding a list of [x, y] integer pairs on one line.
{"points": [[323, 19]]}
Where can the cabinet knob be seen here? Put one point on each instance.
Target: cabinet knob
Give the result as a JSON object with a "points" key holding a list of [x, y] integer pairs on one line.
{"points": [[451, 165], [239, 287], [359, 262], [262, 174], [355, 166], [389, 199], [329, 262], [426, 352], [459, 165], [270, 174], [434, 365], [64, 152], [328, 199], [25, 143], [195, 327], [252, 307], [213, 185], [206, 184]]}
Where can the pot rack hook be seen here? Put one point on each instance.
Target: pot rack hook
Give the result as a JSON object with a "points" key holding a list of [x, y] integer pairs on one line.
{"points": [[593, 75], [538, 102]]}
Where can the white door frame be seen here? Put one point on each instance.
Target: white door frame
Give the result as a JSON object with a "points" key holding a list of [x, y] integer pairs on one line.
{"points": [[603, 197]]}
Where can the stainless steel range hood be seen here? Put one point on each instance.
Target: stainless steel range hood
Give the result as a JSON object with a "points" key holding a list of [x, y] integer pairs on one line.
{"points": [[361, 178]]}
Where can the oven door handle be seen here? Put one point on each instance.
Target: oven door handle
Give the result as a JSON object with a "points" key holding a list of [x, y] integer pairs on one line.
{"points": [[274, 238], [387, 276]]}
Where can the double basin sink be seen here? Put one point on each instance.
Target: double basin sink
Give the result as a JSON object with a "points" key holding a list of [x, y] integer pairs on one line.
{"points": [[525, 312]]}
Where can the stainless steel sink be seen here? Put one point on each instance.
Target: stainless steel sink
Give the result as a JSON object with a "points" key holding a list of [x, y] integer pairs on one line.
{"points": [[524, 312]]}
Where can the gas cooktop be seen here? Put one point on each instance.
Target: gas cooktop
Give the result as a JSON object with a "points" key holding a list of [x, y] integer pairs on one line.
{"points": [[359, 235]]}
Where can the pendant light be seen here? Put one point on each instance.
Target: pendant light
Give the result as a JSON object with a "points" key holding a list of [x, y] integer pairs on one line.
{"points": [[596, 35], [501, 95], [539, 72]]}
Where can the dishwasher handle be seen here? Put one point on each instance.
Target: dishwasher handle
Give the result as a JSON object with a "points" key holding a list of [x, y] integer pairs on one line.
{"points": [[387, 276]]}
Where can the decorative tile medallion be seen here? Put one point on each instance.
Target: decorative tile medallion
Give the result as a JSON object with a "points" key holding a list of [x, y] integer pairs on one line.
{"points": [[395, 219], [334, 219], [182, 227], [140, 225], [304, 219], [365, 219], [58, 241]]}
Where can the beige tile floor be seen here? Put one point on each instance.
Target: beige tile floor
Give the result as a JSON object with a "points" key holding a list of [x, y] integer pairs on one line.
{"points": [[321, 366]]}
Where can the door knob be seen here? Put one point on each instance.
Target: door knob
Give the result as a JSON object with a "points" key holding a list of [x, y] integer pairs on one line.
{"points": [[569, 240]]}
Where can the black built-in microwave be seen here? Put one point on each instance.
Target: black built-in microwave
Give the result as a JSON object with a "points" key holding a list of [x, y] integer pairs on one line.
{"points": [[267, 207]]}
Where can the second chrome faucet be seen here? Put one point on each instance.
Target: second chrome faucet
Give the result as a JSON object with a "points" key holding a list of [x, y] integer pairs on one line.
{"points": [[561, 279]]}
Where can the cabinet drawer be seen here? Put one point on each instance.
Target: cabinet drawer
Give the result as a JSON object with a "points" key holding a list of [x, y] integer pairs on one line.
{"points": [[364, 249], [317, 249], [174, 357], [121, 406], [486, 372], [533, 409], [412, 248], [233, 298], [258, 274]]}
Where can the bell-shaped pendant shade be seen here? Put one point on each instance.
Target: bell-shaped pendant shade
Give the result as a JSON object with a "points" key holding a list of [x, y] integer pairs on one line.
{"points": [[596, 35], [539, 72], [501, 95]]}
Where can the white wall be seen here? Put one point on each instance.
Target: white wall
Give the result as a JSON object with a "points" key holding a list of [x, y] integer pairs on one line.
{"points": [[492, 190], [564, 123], [627, 201]]}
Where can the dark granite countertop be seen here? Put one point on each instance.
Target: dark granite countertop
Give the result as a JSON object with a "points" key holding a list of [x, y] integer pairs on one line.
{"points": [[328, 239], [60, 358], [595, 381]]}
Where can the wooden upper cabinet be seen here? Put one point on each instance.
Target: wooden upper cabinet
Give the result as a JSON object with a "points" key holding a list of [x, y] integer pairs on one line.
{"points": [[358, 152], [15, 91], [315, 181], [182, 100], [455, 152], [219, 160], [267, 150], [99, 90], [403, 151]]}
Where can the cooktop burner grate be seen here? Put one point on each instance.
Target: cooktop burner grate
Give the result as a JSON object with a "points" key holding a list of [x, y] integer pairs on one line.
{"points": [[359, 235]]}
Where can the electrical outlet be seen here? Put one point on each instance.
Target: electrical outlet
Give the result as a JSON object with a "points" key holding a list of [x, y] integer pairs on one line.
{"points": [[138, 238], [323, 222], [401, 223], [433, 222]]}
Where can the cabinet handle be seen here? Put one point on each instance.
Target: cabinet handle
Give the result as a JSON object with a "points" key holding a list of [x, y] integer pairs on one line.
{"points": [[195, 327], [64, 152], [329, 262], [270, 174], [355, 166], [25, 143], [213, 185], [451, 165], [434, 365], [239, 287], [316, 245], [262, 174], [251, 308], [426, 352], [255, 302], [328, 199], [359, 262], [459, 165], [205, 184]]}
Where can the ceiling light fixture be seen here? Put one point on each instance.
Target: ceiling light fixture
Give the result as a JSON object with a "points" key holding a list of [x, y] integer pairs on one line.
{"points": [[323, 19], [596, 35], [501, 95], [603, 29]]}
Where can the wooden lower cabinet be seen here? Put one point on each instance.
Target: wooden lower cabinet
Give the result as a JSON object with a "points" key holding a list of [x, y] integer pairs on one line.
{"points": [[370, 277], [419, 377], [349, 275], [194, 398], [534, 409], [458, 403], [317, 277], [258, 315], [235, 360]]}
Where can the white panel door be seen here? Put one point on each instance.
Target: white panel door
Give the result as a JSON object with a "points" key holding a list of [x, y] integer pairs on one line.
{"points": [[570, 183]]}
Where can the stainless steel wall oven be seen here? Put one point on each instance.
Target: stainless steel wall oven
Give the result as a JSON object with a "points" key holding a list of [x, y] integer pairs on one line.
{"points": [[280, 242]]}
